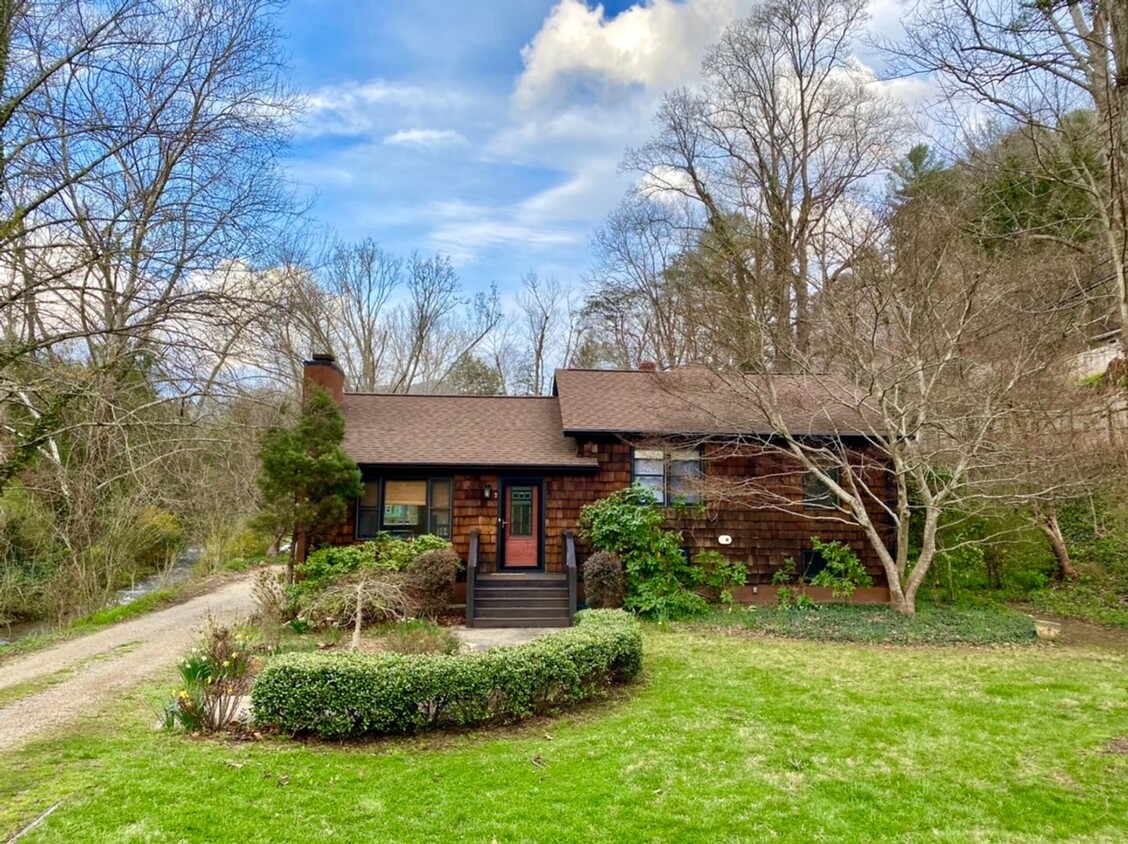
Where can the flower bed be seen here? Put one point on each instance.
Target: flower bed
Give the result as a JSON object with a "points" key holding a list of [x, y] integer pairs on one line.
{"points": [[349, 695]]}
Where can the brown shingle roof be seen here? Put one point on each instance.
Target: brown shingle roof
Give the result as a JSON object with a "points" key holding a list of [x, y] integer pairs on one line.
{"points": [[458, 431], [695, 401]]}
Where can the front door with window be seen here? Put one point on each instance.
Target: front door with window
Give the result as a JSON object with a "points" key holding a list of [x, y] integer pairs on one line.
{"points": [[519, 525]]}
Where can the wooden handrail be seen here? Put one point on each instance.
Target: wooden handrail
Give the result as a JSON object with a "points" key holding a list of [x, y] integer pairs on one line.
{"points": [[471, 576], [570, 569]]}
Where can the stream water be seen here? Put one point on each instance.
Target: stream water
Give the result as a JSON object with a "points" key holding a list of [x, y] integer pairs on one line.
{"points": [[178, 572]]}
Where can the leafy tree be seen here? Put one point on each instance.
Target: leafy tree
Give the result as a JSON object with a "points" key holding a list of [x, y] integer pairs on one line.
{"points": [[306, 477], [471, 376]]}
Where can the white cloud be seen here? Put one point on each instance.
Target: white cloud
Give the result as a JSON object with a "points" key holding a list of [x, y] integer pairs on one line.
{"points": [[465, 230], [425, 137], [656, 44], [353, 109]]}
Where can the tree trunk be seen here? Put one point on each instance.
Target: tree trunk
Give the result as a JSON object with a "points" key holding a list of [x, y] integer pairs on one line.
{"points": [[902, 602], [1050, 526], [290, 562], [359, 617]]}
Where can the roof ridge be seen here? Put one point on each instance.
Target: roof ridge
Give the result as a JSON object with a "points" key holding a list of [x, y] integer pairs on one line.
{"points": [[442, 396]]}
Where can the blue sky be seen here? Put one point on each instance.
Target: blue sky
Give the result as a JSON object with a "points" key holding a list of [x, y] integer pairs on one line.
{"points": [[490, 131]]}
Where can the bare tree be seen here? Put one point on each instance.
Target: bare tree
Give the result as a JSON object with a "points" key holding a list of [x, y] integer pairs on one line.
{"points": [[360, 279], [772, 158], [141, 186], [926, 364], [1037, 65], [548, 323], [631, 300]]}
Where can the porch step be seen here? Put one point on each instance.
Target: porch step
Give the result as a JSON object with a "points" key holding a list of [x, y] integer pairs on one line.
{"points": [[521, 599], [481, 594], [520, 612], [534, 599], [522, 622], [520, 581]]}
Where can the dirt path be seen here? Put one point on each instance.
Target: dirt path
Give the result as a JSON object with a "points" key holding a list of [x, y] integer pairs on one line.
{"points": [[108, 661]]}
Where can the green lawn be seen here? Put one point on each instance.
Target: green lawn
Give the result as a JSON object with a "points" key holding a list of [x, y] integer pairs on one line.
{"points": [[727, 738]]}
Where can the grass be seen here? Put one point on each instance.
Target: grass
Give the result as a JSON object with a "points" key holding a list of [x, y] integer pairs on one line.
{"points": [[1103, 606], [931, 625], [123, 612], [727, 739]]}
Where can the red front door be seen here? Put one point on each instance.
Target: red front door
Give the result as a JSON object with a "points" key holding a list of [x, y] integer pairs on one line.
{"points": [[520, 526]]}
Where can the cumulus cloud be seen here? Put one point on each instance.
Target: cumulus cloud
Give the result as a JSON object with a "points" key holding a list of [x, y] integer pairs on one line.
{"points": [[425, 137], [656, 44]]}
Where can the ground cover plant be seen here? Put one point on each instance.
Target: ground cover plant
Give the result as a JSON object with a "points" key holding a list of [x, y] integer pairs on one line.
{"points": [[356, 694], [727, 739], [878, 624]]}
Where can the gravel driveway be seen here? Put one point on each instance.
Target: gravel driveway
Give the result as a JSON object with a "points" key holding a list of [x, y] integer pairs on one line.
{"points": [[108, 661]]}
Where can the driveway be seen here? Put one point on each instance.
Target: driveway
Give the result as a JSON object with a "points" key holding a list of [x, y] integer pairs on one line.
{"points": [[102, 664]]}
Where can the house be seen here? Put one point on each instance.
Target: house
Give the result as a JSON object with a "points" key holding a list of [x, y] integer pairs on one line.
{"points": [[504, 478]]}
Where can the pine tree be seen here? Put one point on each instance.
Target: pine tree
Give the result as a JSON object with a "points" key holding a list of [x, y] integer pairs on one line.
{"points": [[306, 478]]}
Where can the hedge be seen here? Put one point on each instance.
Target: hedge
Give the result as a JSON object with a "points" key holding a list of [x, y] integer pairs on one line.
{"points": [[350, 694]]}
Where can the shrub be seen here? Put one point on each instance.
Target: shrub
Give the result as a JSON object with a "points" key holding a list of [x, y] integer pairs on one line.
{"points": [[328, 564], [367, 594], [396, 554], [343, 695], [430, 581], [843, 573], [385, 552], [605, 583], [420, 637], [214, 676], [660, 579], [720, 574], [269, 596]]}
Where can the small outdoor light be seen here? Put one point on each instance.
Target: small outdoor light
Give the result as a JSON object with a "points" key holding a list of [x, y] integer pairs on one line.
{"points": [[487, 492]]}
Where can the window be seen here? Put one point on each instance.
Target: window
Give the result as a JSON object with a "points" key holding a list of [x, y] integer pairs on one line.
{"points": [[440, 508], [368, 511], [671, 476], [405, 507], [521, 511], [818, 494], [811, 564]]}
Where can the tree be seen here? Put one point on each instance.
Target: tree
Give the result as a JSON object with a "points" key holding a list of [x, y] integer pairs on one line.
{"points": [[1036, 65], [771, 161], [471, 376], [548, 327], [927, 360], [306, 478]]}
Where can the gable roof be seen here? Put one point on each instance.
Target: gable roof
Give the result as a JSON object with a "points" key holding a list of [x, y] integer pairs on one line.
{"points": [[416, 430], [693, 400]]}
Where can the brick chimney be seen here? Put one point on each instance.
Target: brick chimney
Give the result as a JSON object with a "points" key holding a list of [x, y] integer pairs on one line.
{"points": [[647, 366], [322, 370]]}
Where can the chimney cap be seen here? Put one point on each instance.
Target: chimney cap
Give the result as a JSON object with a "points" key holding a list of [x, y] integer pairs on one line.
{"points": [[647, 366], [322, 357]]}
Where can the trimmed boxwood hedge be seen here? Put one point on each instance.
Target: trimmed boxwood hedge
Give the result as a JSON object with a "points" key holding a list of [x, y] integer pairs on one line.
{"points": [[347, 695]]}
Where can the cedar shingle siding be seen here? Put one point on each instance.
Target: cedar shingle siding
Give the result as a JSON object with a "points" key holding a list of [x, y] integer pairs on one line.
{"points": [[481, 440], [763, 538]]}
